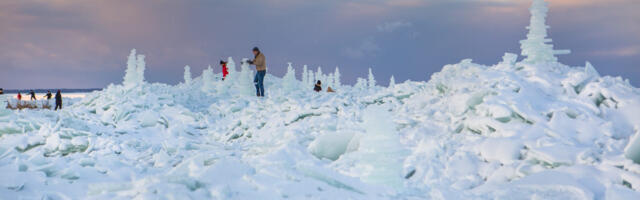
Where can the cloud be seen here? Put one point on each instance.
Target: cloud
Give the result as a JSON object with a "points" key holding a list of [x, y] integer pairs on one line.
{"points": [[389, 27], [618, 52], [367, 47]]}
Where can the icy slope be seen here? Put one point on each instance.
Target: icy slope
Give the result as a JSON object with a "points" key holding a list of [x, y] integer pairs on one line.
{"points": [[472, 131], [535, 129]]}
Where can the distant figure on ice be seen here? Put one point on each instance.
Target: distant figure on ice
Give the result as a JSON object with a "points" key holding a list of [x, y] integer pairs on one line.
{"points": [[225, 70], [33, 95], [58, 100], [329, 89], [261, 66], [318, 86], [48, 95], [1, 91], [19, 96]]}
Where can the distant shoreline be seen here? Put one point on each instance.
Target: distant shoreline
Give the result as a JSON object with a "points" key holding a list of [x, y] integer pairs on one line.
{"points": [[63, 90]]}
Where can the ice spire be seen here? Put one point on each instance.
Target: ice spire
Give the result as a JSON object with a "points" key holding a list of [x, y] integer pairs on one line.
{"points": [[207, 79], [372, 81], [305, 75], [245, 80], [336, 78], [535, 47], [140, 68], [392, 82], [187, 75], [312, 78], [319, 75], [289, 81], [132, 70], [134, 74]]}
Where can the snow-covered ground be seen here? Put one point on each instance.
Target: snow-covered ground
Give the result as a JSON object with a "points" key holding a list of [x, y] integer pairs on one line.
{"points": [[535, 129]]}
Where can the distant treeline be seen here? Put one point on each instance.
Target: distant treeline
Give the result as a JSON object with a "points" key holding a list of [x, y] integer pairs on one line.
{"points": [[13, 91]]}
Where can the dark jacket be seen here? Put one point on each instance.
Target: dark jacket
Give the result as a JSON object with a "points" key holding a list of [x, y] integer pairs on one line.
{"points": [[58, 97], [317, 88]]}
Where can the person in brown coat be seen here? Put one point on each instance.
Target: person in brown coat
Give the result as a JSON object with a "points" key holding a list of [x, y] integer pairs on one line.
{"points": [[261, 66]]}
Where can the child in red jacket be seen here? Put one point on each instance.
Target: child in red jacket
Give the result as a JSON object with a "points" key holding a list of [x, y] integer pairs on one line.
{"points": [[225, 70]]}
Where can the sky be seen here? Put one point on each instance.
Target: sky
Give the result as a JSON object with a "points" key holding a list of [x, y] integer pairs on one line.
{"points": [[84, 44]]}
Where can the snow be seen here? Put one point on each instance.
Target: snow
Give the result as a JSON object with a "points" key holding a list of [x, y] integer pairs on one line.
{"points": [[523, 130]]}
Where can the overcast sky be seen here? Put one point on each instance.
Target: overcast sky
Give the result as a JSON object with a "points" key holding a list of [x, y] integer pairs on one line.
{"points": [[84, 44]]}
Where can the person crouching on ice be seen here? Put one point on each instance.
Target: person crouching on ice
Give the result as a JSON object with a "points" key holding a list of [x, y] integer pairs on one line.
{"points": [[261, 67], [225, 70], [318, 86]]}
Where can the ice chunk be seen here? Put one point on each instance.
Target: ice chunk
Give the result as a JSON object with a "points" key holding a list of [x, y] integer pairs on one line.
{"points": [[148, 118], [509, 59], [555, 155], [330, 145], [632, 150], [380, 150], [615, 192], [503, 150]]}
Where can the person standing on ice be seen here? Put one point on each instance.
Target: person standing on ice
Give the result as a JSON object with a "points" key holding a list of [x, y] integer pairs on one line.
{"points": [[261, 67], [58, 100], [48, 95], [19, 96], [33, 95], [225, 70]]}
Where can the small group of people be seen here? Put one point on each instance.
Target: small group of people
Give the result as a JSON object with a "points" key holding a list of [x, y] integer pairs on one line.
{"points": [[318, 87], [48, 96], [260, 62], [261, 67]]}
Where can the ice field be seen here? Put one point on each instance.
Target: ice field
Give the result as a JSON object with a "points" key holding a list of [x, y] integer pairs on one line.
{"points": [[528, 127]]}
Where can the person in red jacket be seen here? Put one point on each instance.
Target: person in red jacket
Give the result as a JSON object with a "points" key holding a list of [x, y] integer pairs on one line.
{"points": [[19, 96], [225, 70]]}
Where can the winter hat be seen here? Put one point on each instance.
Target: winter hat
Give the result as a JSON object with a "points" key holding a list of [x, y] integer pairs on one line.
{"points": [[256, 49]]}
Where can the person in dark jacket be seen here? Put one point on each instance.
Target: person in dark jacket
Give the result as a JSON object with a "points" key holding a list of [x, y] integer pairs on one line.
{"points": [[318, 86], [33, 95], [48, 95], [58, 100], [261, 66], [225, 70]]}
